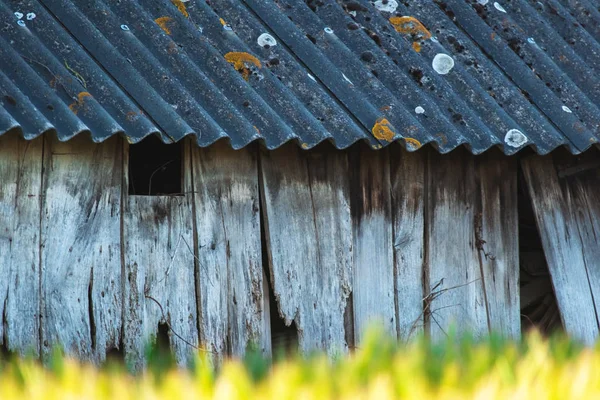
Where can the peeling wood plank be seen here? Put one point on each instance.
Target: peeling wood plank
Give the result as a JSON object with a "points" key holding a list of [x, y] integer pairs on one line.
{"points": [[309, 238], [159, 272], [455, 288], [230, 281], [373, 295], [81, 243], [20, 189], [567, 215], [497, 240], [408, 197]]}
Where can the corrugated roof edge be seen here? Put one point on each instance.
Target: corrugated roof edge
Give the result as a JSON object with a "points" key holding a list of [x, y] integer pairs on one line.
{"points": [[262, 143]]}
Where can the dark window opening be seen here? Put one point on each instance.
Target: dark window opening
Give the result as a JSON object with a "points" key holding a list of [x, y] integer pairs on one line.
{"points": [[539, 309], [155, 168]]}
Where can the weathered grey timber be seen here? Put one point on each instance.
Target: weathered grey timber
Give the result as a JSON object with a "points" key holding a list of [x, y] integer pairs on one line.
{"points": [[567, 212], [20, 189], [81, 247], [305, 202], [408, 199], [159, 275], [373, 295], [231, 301]]}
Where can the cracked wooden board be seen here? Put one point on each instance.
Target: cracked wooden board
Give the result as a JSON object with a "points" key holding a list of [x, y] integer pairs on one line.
{"points": [[306, 210], [567, 212], [159, 272], [81, 247], [20, 189], [373, 296], [230, 279]]}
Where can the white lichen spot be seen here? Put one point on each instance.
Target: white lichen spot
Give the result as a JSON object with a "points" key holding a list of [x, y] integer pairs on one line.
{"points": [[442, 63], [483, 2], [227, 27], [124, 27], [30, 16], [347, 80], [21, 22], [515, 138], [419, 110], [311, 77], [386, 5], [200, 29], [566, 109], [499, 7], [18, 14], [434, 39], [266, 40], [531, 40], [328, 30], [353, 13]]}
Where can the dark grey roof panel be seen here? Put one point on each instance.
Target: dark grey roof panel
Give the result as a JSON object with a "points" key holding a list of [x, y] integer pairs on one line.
{"points": [[476, 73]]}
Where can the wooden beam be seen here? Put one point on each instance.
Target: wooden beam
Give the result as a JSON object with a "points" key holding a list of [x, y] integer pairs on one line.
{"points": [[306, 210], [159, 271], [567, 212], [408, 198], [230, 280], [81, 247], [373, 295], [20, 189]]}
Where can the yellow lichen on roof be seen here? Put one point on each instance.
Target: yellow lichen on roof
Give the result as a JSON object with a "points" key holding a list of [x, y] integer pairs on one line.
{"points": [[414, 144], [181, 7], [411, 26], [77, 104], [162, 22], [240, 59], [382, 130]]}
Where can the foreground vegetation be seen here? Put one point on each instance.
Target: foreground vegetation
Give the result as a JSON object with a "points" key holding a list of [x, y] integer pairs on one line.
{"points": [[555, 368]]}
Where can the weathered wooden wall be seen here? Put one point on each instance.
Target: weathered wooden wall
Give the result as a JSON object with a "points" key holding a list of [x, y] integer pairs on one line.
{"points": [[414, 242]]}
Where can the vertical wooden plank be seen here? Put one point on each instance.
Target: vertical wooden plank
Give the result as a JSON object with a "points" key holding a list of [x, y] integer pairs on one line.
{"points": [[159, 271], [81, 243], [569, 262], [20, 188], [497, 241], [408, 198], [455, 294], [230, 279], [308, 230], [373, 296]]}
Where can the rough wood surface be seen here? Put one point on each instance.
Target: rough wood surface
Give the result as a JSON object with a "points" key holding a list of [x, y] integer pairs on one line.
{"points": [[567, 215], [309, 238], [159, 273], [230, 279], [373, 295], [408, 197], [497, 241], [455, 292], [81, 245], [20, 188]]}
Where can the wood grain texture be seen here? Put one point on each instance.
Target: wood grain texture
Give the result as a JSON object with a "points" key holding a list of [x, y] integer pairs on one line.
{"points": [[230, 279], [408, 198], [455, 286], [158, 239], [374, 293], [567, 214], [20, 189], [81, 244], [497, 241], [309, 238]]}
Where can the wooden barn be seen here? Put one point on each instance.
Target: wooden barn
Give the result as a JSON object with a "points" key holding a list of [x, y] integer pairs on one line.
{"points": [[256, 172]]}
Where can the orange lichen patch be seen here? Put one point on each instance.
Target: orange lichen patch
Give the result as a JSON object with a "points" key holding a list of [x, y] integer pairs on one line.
{"points": [[77, 104], [133, 115], [412, 143], [256, 129], [305, 146], [162, 22], [416, 47], [382, 130], [410, 26], [222, 21], [181, 7], [240, 61], [385, 108]]}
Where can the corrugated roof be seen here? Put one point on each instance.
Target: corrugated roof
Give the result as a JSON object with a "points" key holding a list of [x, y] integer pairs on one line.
{"points": [[478, 73]]}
